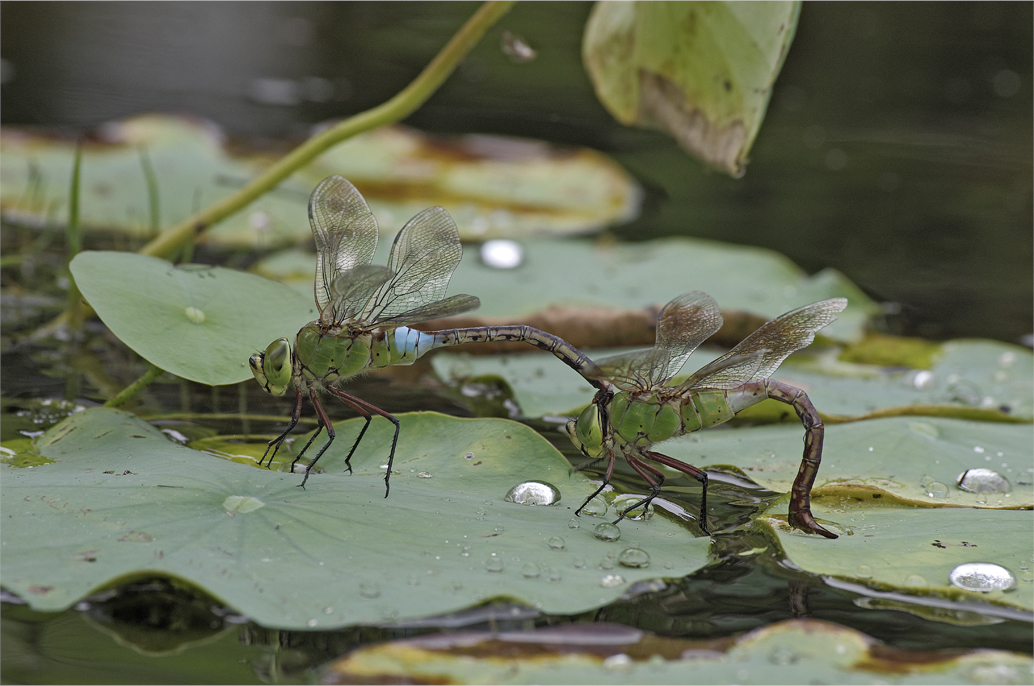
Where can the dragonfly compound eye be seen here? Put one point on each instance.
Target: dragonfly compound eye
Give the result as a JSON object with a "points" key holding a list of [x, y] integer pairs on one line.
{"points": [[276, 367], [587, 431]]}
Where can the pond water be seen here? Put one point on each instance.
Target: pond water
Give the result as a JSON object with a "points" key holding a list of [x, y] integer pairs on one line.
{"points": [[897, 149]]}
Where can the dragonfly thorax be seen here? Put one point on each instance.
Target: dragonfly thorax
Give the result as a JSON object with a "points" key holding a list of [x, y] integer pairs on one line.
{"points": [[644, 418], [324, 357]]}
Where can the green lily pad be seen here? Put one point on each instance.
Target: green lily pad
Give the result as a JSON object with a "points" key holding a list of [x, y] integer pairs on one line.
{"points": [[797, 651], [913, 460], [631, 276], [121, 501], [198, 322], [492, 186], [915, 550], [702, 71]]}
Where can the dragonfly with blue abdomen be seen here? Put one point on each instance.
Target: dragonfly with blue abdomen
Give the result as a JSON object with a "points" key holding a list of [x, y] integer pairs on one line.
{"points": [[366, 312], [636, 408]]}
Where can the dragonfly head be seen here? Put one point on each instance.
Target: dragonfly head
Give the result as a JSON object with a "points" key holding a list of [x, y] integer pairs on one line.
{"points": [[586, 432], [272, 368]]}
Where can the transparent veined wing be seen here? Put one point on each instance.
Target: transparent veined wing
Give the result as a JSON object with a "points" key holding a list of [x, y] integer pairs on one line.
{"points": [[758, 355], [423, 258], [683, 324], [346, 237], [352, 290]]}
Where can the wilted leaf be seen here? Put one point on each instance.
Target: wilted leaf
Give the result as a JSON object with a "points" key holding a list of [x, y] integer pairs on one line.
{"points": [[702, 71]]}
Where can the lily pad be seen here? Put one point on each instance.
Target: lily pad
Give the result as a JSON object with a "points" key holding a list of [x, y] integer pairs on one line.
{"points": [[198, 322], [631, 276], [912, 460], [796, 651], [702, 71], [121, 501], [916, 550], [492, 186]]}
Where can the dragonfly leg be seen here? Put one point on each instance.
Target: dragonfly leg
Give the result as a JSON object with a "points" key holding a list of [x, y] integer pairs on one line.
{"points": [[311, 439], [324, 420], [688, 469], [364, 408], [606, 481], [800, 516], [279, 440], [642, 468]]}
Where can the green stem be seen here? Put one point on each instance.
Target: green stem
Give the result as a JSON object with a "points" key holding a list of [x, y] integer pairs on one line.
{"points": [[73, 237], [394, 110], [130, 391]]}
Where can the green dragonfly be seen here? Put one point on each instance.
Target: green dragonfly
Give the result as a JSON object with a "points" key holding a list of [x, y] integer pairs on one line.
{"points": [[366, 312], [636, 408]]}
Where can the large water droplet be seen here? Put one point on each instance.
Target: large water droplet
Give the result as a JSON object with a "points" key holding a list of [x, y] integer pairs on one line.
{"points": [[573, 523], [494, 564], [557, 543], [597, 507], [634, 557], [982, 576], [370, 589], [607, 532], [639, 514], [982, 480], [935, 489], [502, 253], [533, 493], [612, 580], [530, 571]]}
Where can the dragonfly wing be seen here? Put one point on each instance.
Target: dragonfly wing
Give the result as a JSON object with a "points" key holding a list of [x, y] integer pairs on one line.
{"points": [[346, 237], [448, 307], [638, 370], [423, 257], [685, 323], [764, 350], [351, 290]]}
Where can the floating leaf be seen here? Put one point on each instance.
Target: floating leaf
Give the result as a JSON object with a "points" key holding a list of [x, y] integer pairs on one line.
{"points": [[702, 71], [492, 186], [915, 550], [198, 322], [797, 651], [122, 501]]}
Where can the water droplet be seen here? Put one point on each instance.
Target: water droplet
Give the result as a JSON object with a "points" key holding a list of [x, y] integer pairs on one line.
{"points": [[983, 481], [424, 475], [612, 580], [669, 565], [499, 529], [607, 562], [1028, 576], [533, 493], [1023, 565], [607, 532], [922, 379], [494, 564], [328, 610], [634, 557], [311, 622], [480, 512], [1006, 359], [555, 574], [573, 523], [783, 656], [916, 581], [195, 315], [863, 572], [619, 662], [502, 253], [530, 571], [935, 489], [466, 551], [557, 543], [242, 503], [982, 576], [370, 589], [469, 456], [597, 507], [639, 514], [579, 563]]}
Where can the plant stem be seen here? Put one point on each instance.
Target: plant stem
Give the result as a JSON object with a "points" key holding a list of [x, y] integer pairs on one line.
{"points": [[74, 240], [394, 110], [130, 391]]}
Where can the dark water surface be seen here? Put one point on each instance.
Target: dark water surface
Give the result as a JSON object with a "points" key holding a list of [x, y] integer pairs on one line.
{"points": [[897, 148]]}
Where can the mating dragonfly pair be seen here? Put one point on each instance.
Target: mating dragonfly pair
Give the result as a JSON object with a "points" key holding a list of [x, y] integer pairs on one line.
{"points": [[366, 314]]}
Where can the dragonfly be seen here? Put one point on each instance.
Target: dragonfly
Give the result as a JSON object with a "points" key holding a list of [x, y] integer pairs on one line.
{"points": [[367, 312], [636, 408]]}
